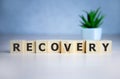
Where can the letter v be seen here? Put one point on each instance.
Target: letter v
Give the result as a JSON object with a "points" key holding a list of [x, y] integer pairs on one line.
{"points": [[67, 48]]}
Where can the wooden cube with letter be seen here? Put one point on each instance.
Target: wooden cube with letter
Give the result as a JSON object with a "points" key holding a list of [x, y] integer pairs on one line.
{"points": [[16, 46], [79, 46], [92, 46], [105, 46], [29, 46], [54, 46], [41, 46], [67, 46]]}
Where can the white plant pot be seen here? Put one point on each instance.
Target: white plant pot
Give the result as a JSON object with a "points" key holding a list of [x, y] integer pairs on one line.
{"points": [[91, 33]]}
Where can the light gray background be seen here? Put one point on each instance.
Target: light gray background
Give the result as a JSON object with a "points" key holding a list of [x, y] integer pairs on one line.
{"points": [[54, 16]]}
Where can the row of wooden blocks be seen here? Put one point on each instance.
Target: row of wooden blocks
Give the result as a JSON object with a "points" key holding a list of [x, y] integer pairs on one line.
{"points": [[60, 46]]}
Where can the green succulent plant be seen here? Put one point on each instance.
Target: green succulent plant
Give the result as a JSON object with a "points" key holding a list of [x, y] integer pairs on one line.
{"points": [[93, 20]]}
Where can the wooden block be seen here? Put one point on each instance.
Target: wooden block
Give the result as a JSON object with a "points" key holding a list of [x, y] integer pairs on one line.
{"points": [[92, 46], [105, 46], [53, 46], [41, 46], [67, 46], [16, 46], [79, 46], [29, 47]]}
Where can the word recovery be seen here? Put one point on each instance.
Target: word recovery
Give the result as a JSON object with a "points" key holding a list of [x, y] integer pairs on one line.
{"points": [[60, 46]]}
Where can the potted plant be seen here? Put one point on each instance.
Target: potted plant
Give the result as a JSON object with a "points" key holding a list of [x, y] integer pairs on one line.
{"points": [[90, 25]]}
